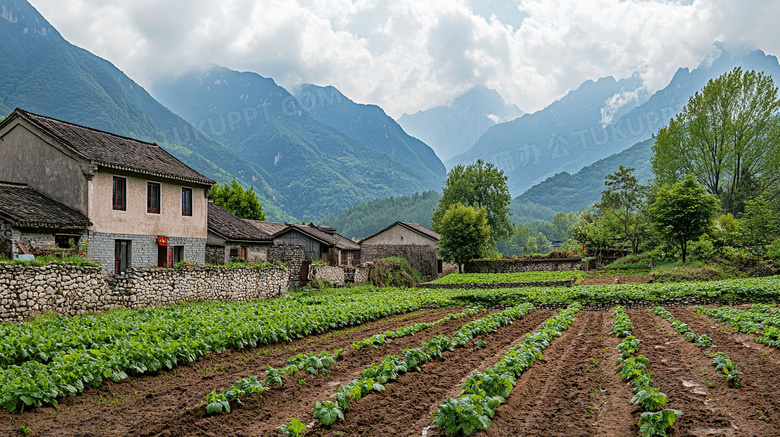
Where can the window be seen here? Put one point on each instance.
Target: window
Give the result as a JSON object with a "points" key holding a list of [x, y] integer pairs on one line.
{"points": [[121, 255], [152, 198], [178, 254], [64, 241], [120, 194], [186, 201]]}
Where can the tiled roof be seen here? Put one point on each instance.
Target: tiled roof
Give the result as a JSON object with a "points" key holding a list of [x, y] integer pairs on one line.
{"points": [[24, 207], [414, 227], [268, 228], [330, 239], [232, 228], [114, 151]]}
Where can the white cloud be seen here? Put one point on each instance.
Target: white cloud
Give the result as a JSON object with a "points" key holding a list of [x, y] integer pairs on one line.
{"points": [[409, 55]]}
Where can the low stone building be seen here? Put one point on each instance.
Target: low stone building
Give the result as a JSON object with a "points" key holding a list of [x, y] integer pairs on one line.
{"points": [[231, 237], [416, 243], [33, 223], [320, 243], [146, 207]]}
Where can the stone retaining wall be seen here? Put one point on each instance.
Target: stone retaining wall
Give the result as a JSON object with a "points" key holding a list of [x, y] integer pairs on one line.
{"points": [[26, 292], [292, 255], [495, 285], [519, 265], [333, 274]]}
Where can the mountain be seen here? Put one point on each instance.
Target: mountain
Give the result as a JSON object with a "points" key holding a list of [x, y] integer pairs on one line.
{"points": [[566, 192], [370, 125], [596, 120], [453, 129], [45, 74], [315, 168]]}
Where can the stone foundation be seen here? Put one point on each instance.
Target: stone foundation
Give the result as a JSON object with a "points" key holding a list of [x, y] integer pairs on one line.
{"points": [[519, 265], [496, 285], [26, 292], [143, 249], [333, 274]]}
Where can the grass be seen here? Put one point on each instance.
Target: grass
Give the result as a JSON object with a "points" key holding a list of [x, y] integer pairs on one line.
{"points": [[42, 261], [492, 278]]}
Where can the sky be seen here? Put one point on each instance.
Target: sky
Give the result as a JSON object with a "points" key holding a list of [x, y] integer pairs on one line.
{"points": [[410, 55]]}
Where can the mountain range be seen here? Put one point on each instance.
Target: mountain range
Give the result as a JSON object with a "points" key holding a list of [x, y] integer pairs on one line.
{"points": [[454, 128], [596, 120]]}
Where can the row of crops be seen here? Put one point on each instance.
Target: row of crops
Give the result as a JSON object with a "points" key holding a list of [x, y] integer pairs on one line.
{"points": [[54, 357]]}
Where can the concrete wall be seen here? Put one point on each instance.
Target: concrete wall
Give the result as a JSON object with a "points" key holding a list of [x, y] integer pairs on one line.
{"points": [[26, 292], [143, 249], [517, 265], [33, 160], [135, 220]]}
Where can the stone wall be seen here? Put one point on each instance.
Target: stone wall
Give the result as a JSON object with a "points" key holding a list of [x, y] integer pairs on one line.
{"points": [[67, 289], [215, 255], [293, 255], [333, 274], [496, 285], [518, 265], [143, 249], [421, 258]]}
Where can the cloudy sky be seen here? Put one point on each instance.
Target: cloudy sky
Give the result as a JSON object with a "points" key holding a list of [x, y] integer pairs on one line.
{"points": [[407, 55]]}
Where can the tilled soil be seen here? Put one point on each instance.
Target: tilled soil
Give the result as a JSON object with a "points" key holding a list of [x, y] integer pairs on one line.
{"points": [[574, 391]]}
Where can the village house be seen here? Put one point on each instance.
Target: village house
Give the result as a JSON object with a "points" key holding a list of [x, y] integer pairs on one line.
{"points": [[416, 243], [143, 206], [232, 238], [320, 243], [31, 222]]}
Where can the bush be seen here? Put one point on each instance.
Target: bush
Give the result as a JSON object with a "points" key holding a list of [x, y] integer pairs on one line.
{"points": [[392, 272], [41, 261], [773, 250]]}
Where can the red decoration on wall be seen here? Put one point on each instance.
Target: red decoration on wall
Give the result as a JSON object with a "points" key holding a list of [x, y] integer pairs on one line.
{"points": [[162, 241]]}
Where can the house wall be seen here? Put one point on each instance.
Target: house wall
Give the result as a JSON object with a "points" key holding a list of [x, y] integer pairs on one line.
{"points": [[135, 220], [312, 248], [400, 235], [30, 159], [421, 258], [143, 249]]}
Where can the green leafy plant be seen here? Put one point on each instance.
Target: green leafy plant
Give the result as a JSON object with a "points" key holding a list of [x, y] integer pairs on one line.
{"points": [[656, 423], [724, 364], [293, 428], [216, 403], [327, 412]]}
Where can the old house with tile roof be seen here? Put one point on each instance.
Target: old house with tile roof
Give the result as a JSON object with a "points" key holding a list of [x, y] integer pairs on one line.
{"points": [[320, 243], [232, 238], [33, 222], [416, 243], [145, 207]]}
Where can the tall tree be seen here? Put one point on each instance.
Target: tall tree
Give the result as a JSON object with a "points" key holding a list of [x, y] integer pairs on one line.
{"points": [[683, 212], [728, 136], [465, 234], [480, 185], [240, 202], [758, 224], [622, 202]]}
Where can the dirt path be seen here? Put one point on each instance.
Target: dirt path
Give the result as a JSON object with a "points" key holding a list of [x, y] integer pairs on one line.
{"points": [[686, 374], [153, 403]]}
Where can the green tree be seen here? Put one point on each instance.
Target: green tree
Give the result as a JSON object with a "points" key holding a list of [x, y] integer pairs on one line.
{"points": [[514, 245], [683, 212], [758, 225], [728, 136], [240, 202], [480, 185], [562, 225], [622, 202], [465, 234], [593, 235], [543, 245]]}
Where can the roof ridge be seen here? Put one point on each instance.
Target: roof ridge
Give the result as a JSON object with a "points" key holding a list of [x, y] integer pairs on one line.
{"points": [[81, 126]]}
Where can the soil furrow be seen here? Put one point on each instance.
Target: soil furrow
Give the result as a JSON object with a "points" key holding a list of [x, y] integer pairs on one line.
{"points": [[573, 392], [755, 403], [402, 409], [685, 373], [152, 401]]}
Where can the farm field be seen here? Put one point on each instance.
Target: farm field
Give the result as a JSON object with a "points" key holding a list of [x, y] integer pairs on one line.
{"points": [[491, 278], [570, 387]]}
